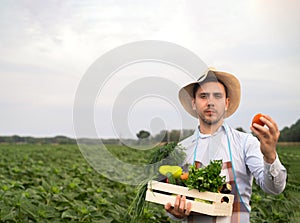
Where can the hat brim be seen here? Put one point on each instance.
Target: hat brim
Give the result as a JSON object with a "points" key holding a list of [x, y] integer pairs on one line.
{"points": [[230, 81]]}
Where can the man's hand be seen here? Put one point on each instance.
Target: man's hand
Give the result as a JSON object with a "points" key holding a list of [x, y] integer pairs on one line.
{"points": [[181, 209], [268, 137]]}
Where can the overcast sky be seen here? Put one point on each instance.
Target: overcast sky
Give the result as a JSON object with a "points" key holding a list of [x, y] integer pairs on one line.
{"points": [[46, 47]]}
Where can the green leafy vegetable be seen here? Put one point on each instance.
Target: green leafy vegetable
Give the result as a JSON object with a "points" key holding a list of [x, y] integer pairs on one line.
{"points": [[207, 178], [169, 154]]}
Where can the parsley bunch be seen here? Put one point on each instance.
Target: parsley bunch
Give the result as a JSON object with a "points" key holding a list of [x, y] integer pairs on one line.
{"points": [[207, 178]]}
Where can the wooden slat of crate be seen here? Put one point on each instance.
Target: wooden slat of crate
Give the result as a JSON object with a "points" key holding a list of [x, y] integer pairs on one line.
{"points": [[217, 208]]}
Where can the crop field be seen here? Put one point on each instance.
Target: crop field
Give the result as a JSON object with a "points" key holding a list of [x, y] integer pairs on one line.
{"points": [[286, 206], [54, 183]]}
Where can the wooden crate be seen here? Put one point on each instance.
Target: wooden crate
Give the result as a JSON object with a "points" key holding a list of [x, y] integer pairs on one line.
{"points": [[162, 193]]}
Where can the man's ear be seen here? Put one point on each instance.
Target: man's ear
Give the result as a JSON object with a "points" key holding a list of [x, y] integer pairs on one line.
{"points": [[227, 103]]}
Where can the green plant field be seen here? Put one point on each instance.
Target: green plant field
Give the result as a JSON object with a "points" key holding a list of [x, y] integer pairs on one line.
{"points": [[286, 206], [53, 183]]}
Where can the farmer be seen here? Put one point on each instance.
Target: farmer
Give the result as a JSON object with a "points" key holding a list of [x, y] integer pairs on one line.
{"points": [[212, 98]]}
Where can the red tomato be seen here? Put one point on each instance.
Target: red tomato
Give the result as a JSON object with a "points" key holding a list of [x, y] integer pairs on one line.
{"points": [[256, 119]]}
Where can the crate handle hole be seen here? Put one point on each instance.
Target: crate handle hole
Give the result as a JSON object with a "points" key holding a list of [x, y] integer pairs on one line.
{"points": [[225, 199]]}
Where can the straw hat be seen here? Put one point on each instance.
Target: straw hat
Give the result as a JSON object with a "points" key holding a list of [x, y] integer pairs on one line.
{"points": [[233, 91]]}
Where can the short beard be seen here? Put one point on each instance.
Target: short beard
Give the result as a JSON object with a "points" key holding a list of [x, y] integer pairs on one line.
{"points": [[212, 122]]}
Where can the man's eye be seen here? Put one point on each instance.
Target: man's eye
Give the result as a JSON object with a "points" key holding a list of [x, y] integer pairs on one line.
{"points": [[218, 95], [203, 96]]}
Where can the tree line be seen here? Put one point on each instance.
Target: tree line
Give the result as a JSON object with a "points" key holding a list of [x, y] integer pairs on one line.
{"points": [[36, 140], [287, 134], [290, 134]]}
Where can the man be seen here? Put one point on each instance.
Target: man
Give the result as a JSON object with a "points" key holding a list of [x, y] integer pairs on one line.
{"points": [[211, 99]]}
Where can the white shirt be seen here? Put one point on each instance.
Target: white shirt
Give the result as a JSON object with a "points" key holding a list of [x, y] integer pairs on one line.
{"points": [[246, 157]]}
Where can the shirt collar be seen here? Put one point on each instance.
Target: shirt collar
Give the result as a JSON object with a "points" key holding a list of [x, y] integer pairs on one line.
{"points": [[203, 136]]}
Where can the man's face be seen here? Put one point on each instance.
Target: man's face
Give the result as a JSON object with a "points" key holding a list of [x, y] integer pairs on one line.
{"points": [[210, 103]]}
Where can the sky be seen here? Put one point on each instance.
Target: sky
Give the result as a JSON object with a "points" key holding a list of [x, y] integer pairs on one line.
{"points": [[46, 48]]}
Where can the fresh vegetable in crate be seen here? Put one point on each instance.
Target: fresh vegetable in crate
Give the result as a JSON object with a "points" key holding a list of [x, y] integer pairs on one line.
{"points": [[168, 154], [206, 178]]}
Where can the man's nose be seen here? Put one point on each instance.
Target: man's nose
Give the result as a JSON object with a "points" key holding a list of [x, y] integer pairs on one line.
{"points": [[210, 101]]}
